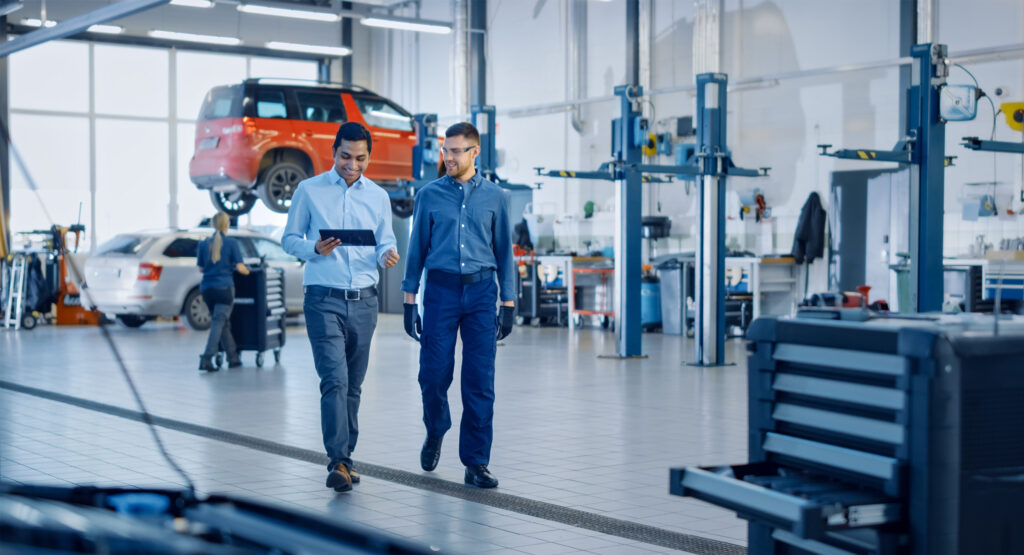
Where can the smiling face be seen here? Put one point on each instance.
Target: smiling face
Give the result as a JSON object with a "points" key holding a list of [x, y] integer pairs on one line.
{"points": [[351, 159], [460, 157]]}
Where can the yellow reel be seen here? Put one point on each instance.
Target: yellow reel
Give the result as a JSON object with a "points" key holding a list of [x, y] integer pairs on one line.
{"points": [[1014, 112]]}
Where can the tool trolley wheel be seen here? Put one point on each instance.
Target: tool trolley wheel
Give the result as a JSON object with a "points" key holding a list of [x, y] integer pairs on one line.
{"points": [[277, 356], [28, 321], [259, 359]]}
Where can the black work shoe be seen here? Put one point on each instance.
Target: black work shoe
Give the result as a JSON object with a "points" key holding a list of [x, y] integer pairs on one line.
{"points": [[353, 475], [206, 363], [478, 475], [431, 453], [234, 363], [339, 479]]}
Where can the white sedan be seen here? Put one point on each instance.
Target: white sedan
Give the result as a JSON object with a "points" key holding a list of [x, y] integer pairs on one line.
{"points": [[148, 274]]}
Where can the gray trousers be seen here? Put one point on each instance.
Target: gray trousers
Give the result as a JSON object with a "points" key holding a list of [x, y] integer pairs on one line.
{"points": [[339, 332], [220, 302]]}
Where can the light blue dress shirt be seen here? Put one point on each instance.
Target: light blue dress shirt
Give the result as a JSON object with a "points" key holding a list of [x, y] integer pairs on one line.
{"points": [[325, 201]]}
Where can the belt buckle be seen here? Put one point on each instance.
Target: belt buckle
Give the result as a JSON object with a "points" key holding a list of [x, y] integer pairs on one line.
{"points": [[352, 294]]}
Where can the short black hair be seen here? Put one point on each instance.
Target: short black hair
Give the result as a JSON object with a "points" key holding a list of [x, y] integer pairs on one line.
{"points": [[464, 129], [352, 131]]}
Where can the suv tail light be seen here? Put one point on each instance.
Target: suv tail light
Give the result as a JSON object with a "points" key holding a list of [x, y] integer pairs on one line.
{"points": [[149, 272]]}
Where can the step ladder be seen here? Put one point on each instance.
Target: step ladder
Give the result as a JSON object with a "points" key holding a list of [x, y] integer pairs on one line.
{"points": [[16, 292]]}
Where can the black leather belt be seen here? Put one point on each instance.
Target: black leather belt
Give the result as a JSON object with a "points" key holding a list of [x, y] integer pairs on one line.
{"points": [[347, 294], [448, 278]]}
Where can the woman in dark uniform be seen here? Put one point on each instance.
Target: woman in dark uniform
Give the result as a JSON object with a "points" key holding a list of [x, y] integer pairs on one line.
{"points": [[218, 257]]}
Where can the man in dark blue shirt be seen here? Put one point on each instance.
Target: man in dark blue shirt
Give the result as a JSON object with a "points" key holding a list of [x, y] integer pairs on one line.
{"points": [[461, 236]]}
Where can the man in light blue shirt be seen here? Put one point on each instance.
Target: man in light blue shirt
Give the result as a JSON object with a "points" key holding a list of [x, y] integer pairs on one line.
{"points": [[340, 282]]}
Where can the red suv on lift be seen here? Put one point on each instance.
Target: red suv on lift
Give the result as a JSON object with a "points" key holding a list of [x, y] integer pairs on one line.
{"points": [[262, 137]]}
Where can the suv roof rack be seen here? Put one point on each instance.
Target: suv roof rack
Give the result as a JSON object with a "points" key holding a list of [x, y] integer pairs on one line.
{"points": [[306, 83]]}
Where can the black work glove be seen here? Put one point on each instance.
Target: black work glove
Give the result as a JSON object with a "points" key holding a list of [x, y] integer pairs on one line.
{"points": [[506, 317], [413, 324]]}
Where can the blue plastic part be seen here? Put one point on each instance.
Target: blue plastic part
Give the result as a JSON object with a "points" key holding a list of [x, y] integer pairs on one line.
{"points": [[139, 504]]}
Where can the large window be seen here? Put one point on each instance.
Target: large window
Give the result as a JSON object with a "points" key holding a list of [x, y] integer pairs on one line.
{"points": [[123, 182], [131, 81]]}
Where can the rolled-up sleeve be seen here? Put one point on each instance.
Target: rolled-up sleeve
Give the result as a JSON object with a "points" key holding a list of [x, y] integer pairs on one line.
{"points": [[385, 232], [294, 240], [419, 243], [503, 252]]}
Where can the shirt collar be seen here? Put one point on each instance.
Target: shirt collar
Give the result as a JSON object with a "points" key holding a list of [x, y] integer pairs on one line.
{"points": [[338, 180], [472, 183]]}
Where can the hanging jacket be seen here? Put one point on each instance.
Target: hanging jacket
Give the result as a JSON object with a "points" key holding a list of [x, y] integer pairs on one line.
{"points": [[809, 241]]}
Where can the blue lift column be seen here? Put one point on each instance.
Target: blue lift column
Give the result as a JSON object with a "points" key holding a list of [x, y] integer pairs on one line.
{"points": [[482, 117], [628, 226], [712, 153], [927, 172]]}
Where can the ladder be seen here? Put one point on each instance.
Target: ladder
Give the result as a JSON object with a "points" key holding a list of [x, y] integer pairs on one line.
{"points": [[15, 292]]}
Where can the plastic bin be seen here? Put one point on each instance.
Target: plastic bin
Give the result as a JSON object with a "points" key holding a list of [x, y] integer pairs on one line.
{"points": [[673, 307]]}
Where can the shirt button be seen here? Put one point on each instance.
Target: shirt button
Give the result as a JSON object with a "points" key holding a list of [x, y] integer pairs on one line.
{"points": [[463, 246], [463, 225], [463, 205], [463, 263]]}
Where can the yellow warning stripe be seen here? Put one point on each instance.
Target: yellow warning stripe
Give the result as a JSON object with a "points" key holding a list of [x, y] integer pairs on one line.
{"points": [[865, 154]]}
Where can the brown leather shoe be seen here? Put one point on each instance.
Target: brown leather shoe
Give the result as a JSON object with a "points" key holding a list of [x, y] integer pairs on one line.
{"points": [[339, 479], [354, 475]]}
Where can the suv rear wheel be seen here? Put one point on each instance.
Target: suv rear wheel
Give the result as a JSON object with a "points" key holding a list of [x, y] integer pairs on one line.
{"points": [[235, 204], [278, 183], [197, 314]]}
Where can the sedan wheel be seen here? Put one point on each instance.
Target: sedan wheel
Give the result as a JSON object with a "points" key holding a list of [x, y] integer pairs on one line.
{"points": [[196, 312], [278, 185]]}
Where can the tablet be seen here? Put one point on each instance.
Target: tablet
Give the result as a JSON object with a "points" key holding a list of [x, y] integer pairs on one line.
{"points": [[351, 237]]}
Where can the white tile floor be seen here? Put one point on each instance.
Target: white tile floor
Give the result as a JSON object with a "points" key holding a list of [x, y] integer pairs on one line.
{"points": [[590, 434]]}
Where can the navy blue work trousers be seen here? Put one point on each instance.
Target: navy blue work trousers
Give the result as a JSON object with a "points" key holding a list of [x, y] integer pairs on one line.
{"points": [[340, 332], [449, 308]]}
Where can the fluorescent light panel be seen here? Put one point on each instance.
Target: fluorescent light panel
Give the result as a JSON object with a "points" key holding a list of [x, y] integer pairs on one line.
{"points": [[106, 29], [309, 48], [286, 12], [191, 37], [193, 3], [407, 25], [35, 22]]}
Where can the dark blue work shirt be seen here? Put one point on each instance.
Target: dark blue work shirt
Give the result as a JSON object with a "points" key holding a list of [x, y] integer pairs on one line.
{"points": [[218, 275], [461, 229]]}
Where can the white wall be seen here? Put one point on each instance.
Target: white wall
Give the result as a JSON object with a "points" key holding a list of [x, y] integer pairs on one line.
{"points": [[777, 126]]}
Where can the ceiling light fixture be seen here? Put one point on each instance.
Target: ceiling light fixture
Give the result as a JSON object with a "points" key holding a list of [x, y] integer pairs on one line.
{"points": [[403, 24], [285, 12], [193, 3], [309, 48], [35, 22], [191, 37], [106, 29]]}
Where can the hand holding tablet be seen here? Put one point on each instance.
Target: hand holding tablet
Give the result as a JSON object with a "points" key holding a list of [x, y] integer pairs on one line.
{"points": [[350, 237]]}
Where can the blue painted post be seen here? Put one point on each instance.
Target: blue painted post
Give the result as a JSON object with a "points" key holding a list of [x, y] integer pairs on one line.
{"points": [[927, 177], [629, 200]]}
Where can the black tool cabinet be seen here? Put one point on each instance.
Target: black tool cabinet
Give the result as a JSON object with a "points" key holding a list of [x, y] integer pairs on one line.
{"points": [[884, 436], [257, 319]]}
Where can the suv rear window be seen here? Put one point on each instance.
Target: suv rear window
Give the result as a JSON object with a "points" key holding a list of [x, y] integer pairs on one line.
{"points": [[379, 112], [222, 102], [318, 106], [124, 244], [182, 247], [271, 104]]}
